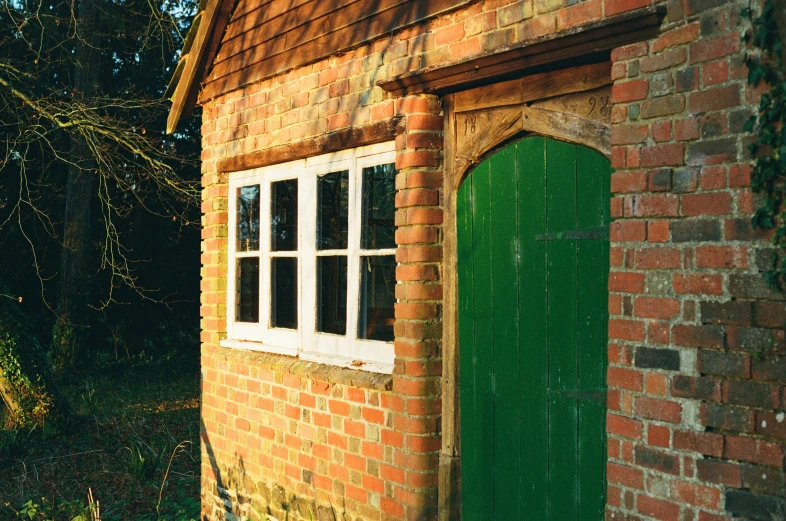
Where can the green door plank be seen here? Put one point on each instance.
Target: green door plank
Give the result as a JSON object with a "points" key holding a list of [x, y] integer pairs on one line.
{"points": [[561, 266], [483, 360], [533, 361], [507, 398], [593, 268], [466, 333], [532, 333]]}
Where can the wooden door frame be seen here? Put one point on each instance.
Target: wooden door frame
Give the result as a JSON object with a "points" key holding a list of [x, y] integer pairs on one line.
{"points": [[570, 105]]}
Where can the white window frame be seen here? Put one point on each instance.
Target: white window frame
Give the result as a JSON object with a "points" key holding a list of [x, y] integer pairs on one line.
{"points": [[341, 350]]}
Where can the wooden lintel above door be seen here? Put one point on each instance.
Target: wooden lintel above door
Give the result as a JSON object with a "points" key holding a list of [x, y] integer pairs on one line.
{"points": [[589, 42]]}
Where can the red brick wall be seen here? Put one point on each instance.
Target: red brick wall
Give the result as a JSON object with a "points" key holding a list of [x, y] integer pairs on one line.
{"points": [[696, 385], [695, 375], [286, 435]]}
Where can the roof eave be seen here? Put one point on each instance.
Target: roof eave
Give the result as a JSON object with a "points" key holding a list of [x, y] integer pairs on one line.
{"points": [[196, 58]]}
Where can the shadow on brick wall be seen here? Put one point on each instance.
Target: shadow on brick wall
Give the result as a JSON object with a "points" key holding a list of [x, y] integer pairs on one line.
{"points": [[234, 495]]}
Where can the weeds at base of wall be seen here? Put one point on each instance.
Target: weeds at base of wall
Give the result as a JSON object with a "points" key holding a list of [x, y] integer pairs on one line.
{"points": [[124, 414]]}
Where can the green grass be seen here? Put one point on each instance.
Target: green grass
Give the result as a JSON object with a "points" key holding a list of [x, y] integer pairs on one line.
{"points": [[135, 445]]}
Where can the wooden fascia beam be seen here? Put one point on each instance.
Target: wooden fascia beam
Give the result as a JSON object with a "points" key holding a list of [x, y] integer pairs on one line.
{"points": [[368, 134], [532, 55]]}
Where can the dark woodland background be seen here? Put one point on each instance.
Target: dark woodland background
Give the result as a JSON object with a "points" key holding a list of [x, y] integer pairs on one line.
{"points": [[99, 264], [132, 49]]}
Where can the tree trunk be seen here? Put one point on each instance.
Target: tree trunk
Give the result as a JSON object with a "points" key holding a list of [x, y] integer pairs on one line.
{"points": [[26, 384], [70, 333]]}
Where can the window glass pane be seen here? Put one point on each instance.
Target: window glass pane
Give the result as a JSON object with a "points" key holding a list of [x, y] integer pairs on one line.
{"points": [[247, 290], [283, 292], [248, 218], [332, 210], [377, 220], [283, 215], [377, 297], [332, 294]]}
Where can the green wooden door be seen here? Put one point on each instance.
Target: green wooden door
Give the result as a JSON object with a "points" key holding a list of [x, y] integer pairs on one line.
{"points": [[532, 274]]}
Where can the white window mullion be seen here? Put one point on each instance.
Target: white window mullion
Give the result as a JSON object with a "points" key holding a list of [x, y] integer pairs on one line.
{"points": [[264, 256], [353, 261], [307, 222]]}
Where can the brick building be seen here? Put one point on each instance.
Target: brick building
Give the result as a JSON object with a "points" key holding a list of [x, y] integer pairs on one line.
{"points": [[416, 215]]}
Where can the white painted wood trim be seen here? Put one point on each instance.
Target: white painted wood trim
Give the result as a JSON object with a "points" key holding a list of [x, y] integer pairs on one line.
{"points": [[341, 350]]}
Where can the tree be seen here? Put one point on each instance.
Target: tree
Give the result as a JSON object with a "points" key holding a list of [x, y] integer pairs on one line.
{"points": [[83, 158], [73, 299]]}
